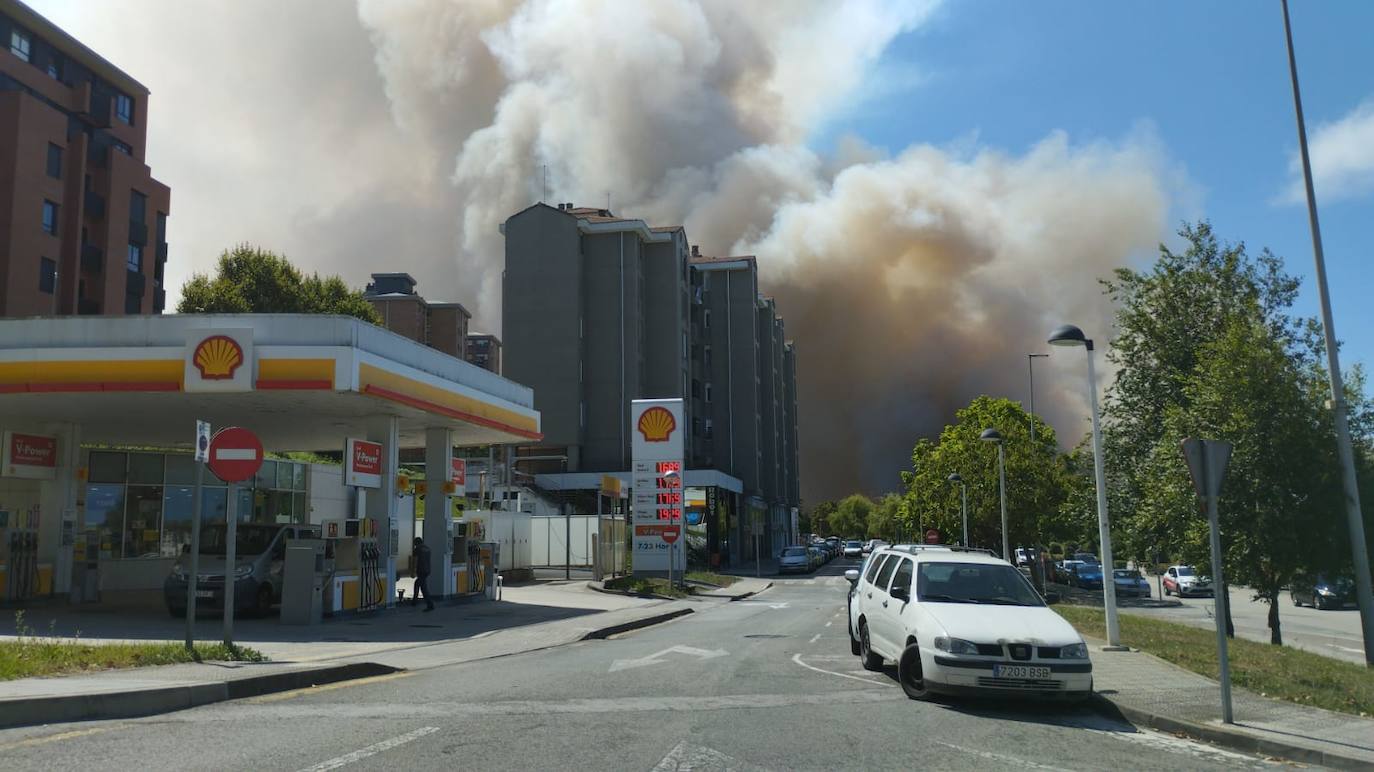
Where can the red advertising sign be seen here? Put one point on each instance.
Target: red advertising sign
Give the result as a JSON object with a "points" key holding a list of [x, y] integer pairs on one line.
{"points": [[235, 454], [932, 536], [364, 467], [460, 473], [670, 533], [33, 456]]}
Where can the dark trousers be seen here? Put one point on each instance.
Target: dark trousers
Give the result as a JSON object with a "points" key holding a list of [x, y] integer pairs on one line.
{"points": [[422, 586]]}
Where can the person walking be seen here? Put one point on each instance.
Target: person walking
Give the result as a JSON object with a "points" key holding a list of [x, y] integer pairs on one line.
{"points": [[422, 567]]}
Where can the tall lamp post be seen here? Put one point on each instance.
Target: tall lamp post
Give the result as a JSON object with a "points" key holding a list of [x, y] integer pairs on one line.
{"points": [[958, 479], [1069, 335], [1354, 520], [995, 437], [1030, 370], [675, 485]]}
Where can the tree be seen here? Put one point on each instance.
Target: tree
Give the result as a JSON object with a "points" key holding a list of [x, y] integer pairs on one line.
{"points": [[850, 518], [885, 518], [820, 518], [1036, 478], [252, 280]]}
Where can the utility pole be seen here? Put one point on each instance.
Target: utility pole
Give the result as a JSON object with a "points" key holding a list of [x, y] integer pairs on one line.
{"points": [[1354, 518], [1030, 368]]}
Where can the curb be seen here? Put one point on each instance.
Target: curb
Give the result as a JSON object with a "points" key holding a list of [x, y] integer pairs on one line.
{"points": [[750, 594], [146, 702], [593, 585], [634, 624], [1228, 738]]}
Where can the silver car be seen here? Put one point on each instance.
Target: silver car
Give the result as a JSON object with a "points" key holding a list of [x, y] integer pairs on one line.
{"points": [[794, 559]]}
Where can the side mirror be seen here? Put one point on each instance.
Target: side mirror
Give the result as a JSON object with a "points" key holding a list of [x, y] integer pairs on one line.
{"points": [[1051, 598], [852, 575], [901, 593]]}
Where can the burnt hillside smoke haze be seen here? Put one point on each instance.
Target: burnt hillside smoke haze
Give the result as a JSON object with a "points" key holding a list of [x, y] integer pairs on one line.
{"points": [[912, 279]]}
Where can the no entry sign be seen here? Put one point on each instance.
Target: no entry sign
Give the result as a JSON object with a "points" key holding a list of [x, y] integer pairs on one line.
{"points": [[670, 533], [235, 454]]}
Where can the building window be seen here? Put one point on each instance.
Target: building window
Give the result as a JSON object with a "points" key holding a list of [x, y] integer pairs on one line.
{"points": [[121, 147], [709, 425], [162, 227], [706, 355], [55, 67], [124, 108], [133, 302], [50, 218], [706, 319], [47, 275], [20, 45], [135, 257], [707, 393], [138, 207], [54, 161]]}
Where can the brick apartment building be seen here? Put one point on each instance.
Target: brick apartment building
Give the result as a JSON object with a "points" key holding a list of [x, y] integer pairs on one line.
{"points": [[443, 326], [83, 224], [485, 352]]}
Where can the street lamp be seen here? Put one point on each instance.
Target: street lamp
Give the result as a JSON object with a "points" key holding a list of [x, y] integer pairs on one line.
{"points": [[995, 437], [1030, 368], [674, 485], [956, 478], [1069, 335]]}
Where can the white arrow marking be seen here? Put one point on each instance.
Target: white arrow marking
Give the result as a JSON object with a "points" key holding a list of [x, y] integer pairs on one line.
{"points": [[778, 605], [656, 659]]}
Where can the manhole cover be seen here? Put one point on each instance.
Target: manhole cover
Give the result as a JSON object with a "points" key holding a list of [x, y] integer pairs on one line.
{"points": [[765, 635]]}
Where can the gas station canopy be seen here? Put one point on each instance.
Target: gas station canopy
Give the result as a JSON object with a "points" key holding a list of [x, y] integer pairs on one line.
{"points": [[300, 381]]}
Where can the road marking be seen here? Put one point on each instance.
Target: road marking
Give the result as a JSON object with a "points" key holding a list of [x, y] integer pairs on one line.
{"points": [[328, 687], [797, 659], [1011, 761], [54, 737], [657, 659], [371, 750], [685, 756], [831, 622], [815, 638]]}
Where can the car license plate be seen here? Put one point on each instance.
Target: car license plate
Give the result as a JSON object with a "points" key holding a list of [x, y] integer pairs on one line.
{"points": [[205, 593], [1020, 671]]}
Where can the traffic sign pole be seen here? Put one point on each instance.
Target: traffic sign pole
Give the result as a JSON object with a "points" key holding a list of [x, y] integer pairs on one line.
{"points": [[231, 516], [192, 579], [235, 455], [1207, 461]]}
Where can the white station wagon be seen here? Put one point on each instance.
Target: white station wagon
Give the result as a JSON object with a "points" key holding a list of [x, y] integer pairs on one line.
{"points": [[958, 620]]}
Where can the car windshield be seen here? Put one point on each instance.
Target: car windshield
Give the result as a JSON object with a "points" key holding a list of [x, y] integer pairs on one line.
{"points": [[982, 583], [794, 552], [248, 540], [1185, 571], [854, 544], [1125, 573]]}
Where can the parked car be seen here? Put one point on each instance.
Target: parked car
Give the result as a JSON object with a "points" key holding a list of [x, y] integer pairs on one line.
{"points": [[873, 544], [259, 553], [1086, 557], [794, 560], [1086, 576], [835, 544], [962, 621], [853, 549], [1064, 570], [1129, 582], [1183, 581], [1322, 592], [813, 552]]}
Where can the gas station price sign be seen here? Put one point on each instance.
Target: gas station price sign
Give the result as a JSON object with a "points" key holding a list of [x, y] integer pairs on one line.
{"points": [[656, 477]]}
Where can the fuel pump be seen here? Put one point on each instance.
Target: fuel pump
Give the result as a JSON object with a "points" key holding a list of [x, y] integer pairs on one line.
{"points": [[21, 563], [354, 563]]}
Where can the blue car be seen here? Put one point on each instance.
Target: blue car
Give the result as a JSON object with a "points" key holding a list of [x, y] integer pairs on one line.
{"points": [[1087, 576]]}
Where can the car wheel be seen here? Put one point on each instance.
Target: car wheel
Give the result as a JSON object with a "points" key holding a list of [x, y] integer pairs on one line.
{"points": [[263, 606], [1296, 602], [1318, 602], [871, 661], [910, 675]]}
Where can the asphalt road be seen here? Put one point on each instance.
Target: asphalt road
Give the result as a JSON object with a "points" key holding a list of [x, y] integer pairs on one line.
{"points": [[764, 683], [1333, 633]]}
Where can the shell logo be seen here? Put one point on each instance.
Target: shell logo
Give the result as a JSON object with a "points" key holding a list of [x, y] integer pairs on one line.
{"points": [[656, 424], [217, 357]]}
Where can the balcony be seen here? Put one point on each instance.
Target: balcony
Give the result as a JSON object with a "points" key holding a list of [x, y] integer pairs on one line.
{"points": [[92, 259], [138, 232], [98, 155], [95, 205], [137, 283], [162, 251]]}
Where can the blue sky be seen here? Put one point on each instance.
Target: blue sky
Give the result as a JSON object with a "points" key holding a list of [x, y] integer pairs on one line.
{"points": [[1209, 79]]}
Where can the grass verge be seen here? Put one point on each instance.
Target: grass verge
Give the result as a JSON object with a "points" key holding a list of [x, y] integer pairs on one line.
{"points": [[645, 586], [707, 577], [1280, 672], [35, 655]]}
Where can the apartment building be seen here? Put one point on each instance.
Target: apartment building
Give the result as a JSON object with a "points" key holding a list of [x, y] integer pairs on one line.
{"points": [[485, 352], [442, 326], [599, 310], [75, 192]]}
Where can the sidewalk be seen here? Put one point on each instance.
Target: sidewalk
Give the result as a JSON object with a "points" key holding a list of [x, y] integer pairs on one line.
{"points": [[1147, 690], [744, 588], [531, 618]]}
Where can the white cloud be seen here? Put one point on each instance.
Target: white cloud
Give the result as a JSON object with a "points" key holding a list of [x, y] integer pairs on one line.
{"points": [[1342, 157]]}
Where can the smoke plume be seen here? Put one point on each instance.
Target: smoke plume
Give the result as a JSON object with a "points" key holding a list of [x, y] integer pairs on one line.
{"points": [[399, 137]]}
